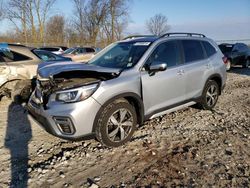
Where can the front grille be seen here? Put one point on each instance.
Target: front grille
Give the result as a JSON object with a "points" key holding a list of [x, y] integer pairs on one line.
{"points": [[65, 125]]}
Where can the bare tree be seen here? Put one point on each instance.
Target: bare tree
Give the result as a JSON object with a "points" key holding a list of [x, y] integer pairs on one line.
{"points": [[55, 29], [1, 10], [158, 24], [116, 19], [17, 14], [95, 11], [89, 18], [42, 9], [78, 20]]}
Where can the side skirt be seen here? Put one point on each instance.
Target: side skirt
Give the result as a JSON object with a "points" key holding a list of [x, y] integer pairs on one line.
{"points": [[172, 109]]}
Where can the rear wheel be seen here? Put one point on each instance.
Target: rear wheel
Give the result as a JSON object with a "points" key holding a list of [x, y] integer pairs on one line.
{"points": [[210, 95], [116, 123]]}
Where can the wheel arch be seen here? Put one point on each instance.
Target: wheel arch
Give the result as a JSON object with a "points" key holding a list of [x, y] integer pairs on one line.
{"points": [[133, 98], [217, 78]]}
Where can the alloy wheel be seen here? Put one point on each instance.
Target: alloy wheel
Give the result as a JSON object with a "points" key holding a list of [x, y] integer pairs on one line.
{"points": [[119, 125], [212, 95]]}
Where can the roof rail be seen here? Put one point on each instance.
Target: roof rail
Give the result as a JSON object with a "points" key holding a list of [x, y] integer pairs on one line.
{"points": [[137, 36], [187, 34]]}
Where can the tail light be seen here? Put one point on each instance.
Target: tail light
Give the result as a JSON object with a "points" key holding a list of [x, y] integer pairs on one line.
{"points": [[225, 60]]}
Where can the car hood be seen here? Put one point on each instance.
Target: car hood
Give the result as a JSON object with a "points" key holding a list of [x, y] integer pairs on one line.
{"points": [[56, 68]]}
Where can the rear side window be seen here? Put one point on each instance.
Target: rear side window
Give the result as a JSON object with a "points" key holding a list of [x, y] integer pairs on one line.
{"points": [[167, 52], [192, 50], [210, 50], [11, 56], [89, 50]]}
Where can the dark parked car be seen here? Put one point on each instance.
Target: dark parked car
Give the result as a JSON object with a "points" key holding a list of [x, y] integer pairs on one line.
{"points": [[237, 54]]}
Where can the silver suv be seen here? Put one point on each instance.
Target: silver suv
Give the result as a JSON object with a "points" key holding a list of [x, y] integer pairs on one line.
{"points": [[127, 83]]}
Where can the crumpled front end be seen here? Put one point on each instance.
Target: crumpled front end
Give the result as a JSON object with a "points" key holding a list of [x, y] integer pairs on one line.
{"points": [[63, 105]]}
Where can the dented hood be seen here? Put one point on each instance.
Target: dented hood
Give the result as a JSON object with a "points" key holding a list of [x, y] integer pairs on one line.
{"points": [[54, 69]]}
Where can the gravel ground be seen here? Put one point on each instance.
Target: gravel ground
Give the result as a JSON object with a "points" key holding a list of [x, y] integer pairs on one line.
{"points": [[188, 148]]}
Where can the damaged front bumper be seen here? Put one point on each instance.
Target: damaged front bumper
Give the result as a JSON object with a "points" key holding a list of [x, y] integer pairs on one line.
{"points": [[69, 121]]}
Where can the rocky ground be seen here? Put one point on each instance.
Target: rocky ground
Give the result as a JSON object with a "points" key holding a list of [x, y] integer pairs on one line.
{"points": [[188, 148]]}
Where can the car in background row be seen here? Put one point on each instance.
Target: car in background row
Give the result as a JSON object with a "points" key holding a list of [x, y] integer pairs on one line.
{"points": [[56, 50], [80, 54], [18, 66], [237, 54]]}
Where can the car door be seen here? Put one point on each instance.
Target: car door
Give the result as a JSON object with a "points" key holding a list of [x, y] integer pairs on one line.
{"points": [[20, 65], [166, 88], [196, 67]]}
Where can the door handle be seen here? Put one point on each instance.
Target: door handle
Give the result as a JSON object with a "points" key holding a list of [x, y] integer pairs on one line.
{"points": [[208, 66], [180, 72]]}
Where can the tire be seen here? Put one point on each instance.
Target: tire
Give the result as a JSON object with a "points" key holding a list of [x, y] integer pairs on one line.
{"points": [[228, 65], [21, 91], [210, 95], [109, 130], [247, 64]]}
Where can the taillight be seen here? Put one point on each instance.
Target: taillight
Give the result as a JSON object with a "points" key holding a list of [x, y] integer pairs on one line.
{"points": [[224, 60]]}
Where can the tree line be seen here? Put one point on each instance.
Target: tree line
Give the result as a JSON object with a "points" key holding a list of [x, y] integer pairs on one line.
{"points": [[93, 22]]}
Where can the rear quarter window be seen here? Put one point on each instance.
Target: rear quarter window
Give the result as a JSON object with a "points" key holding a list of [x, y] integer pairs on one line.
{"points": [[89, 50], [11, 56], [192, 50], [210, 50]]}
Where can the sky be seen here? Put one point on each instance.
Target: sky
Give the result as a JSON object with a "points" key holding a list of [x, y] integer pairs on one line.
{"points": [[218, 19]]}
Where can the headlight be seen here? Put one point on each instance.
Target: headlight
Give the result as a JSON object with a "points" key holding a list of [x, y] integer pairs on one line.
{"points": [[77, 94]]}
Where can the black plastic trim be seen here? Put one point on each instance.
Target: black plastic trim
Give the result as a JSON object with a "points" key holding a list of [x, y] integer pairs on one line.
{"points": [[124, 95], [172, 106]]}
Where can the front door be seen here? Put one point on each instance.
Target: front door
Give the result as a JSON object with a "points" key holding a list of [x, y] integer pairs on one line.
{"points": [[166, 88]]}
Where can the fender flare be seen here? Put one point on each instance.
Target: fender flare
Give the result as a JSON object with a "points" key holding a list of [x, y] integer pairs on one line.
{"points": [[133, 98]]}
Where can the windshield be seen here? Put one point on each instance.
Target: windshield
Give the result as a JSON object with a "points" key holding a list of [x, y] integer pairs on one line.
{"points": [[69, 51], [47, 56], [121, 55]]}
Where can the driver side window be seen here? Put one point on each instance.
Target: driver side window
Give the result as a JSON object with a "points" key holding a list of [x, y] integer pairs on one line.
{"points": [[167, 53]]}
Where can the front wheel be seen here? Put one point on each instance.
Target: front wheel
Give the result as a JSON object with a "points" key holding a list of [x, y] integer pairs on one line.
{"points": [[210, 95], [116, 123]]}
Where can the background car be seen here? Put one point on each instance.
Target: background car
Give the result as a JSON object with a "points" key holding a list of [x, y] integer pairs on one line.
{"points": [[237, 54], [80, 54], [56, 50], [18, 66]]}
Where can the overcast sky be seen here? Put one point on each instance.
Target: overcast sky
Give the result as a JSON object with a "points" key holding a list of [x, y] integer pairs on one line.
{"points": [[218, 19]]}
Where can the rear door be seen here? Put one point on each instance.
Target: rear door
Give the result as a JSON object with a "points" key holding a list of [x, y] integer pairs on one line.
{"points": [[165, 88], [196, 67], [20, 66]]}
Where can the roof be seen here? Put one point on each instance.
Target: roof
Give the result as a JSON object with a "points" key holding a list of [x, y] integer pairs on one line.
{"points": [[152, 38]]}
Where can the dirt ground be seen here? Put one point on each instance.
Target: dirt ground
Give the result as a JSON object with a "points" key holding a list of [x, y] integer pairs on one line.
{"points": [[188, 148]]}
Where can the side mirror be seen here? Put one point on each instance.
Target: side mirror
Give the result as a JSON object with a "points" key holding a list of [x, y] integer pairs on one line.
{"points": [[158, 67]]}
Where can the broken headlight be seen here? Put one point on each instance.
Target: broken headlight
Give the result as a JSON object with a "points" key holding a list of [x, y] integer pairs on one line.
{"points": [[77, 94]]}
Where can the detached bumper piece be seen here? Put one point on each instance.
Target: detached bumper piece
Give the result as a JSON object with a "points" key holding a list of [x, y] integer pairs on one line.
{"points": [[65, 125]]}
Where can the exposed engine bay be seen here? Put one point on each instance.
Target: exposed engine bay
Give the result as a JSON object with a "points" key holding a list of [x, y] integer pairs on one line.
{"points": [[69, 80]]}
